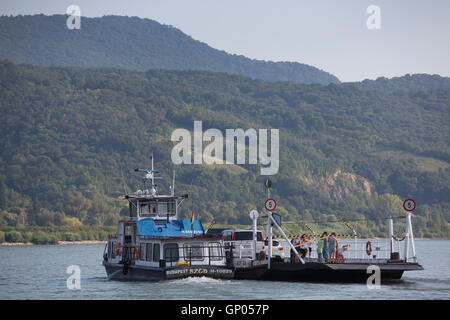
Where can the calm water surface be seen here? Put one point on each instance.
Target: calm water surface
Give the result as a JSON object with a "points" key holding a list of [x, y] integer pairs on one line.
{"points": [[39, 272]]}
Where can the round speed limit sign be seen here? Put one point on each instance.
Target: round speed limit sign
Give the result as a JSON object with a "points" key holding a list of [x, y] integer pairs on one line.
{"points": [[270, 204], [409, 205]]}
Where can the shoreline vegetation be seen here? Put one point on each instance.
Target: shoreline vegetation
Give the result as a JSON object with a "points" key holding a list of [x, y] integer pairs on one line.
{"points": [[24, 235], [14, 244], [64, 235], [89, 242], [33, 235]]}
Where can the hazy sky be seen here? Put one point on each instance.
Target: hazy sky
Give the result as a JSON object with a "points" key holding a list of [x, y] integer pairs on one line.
{"points": [[329, 34]]}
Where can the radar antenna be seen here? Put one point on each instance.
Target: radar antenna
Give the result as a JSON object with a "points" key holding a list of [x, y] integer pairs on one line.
{"points": [[149, 175]]}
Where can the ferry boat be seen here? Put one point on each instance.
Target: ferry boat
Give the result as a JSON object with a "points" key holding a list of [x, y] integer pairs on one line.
{"points": [[153, 244]]}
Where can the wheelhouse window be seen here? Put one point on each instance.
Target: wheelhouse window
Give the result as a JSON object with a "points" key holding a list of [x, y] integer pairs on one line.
{"points": [[162, 208], [133, 211], [147, 209], [152, 208], [215, 251], [171, 252], [166, 208], [171, 207], [193, 252]]}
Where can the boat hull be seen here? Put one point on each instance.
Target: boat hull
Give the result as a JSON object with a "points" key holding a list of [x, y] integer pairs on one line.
{"points": [[279, 271], [319, 272], [135, 272]]}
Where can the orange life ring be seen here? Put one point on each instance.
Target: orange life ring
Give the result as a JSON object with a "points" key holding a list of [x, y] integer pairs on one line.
{"points": [[117, 248], [368, 248], [136, 252]]}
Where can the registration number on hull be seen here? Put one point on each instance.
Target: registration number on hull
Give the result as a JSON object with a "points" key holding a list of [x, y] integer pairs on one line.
{"points": [[193, 271]]}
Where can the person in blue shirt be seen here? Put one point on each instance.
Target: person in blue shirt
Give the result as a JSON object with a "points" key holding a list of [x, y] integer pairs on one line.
{"points": [[325, 246]]}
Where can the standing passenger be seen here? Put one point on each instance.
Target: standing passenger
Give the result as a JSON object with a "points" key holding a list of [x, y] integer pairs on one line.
{"points": [[320, 244], [303, 247], [297, 244], [325, 246], [294, 242], [332, 244], [309, 246]]}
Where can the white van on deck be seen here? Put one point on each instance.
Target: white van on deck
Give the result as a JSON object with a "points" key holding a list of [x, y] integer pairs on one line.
{"points": [[240, 243]]}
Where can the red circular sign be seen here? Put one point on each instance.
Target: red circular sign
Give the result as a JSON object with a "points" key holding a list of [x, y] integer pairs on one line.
{"points": [[270, 204], [409, 205]]}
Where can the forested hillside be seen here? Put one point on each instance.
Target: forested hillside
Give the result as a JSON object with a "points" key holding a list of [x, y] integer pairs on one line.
{"points": [[406, 83], [71, 138], [133, 43]]}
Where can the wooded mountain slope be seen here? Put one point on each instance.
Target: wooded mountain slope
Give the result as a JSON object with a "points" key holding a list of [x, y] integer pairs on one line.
{"points": [[133, 43], [71, 138]]}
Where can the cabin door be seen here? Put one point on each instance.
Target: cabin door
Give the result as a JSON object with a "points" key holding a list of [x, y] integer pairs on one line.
{"points": [[129, 233]]}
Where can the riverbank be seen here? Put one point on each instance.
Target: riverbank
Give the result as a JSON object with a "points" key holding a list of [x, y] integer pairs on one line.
{"points": [[28, 235], [13, 244]]}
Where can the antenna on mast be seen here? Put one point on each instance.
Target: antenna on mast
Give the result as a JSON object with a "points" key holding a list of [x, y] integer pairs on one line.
{"points": [[149, 175], [173, 183], [153, 179]]}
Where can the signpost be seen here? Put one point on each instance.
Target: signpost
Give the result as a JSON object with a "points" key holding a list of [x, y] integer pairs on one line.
{"points": [[274, 220], [409, 205], [254, 216], [271, 204]]}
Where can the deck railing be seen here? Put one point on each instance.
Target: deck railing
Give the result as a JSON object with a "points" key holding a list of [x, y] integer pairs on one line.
{"points": [[357, 250], [194, 255]]}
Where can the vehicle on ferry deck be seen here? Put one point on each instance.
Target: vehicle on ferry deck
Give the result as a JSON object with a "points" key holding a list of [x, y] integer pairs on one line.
{"points": [[278, 251], [240, 243]]}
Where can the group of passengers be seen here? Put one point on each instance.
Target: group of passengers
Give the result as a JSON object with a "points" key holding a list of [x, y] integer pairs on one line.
{"points": [[303, 245], [328, 249]]}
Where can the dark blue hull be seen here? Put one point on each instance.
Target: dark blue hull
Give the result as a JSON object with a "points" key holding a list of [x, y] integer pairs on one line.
{"points": [[320, 272]]}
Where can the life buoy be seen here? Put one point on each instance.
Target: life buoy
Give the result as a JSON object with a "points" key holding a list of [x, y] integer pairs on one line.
{"points": [[368, 248], [117, 248], [159, 229], [136, 252]]}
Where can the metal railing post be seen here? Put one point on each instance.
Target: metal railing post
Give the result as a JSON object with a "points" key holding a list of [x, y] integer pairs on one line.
{"points": [[407, 236], [391, 239]]}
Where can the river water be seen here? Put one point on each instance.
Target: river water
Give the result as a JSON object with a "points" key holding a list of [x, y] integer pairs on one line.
{"points": [[40, 272]]}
